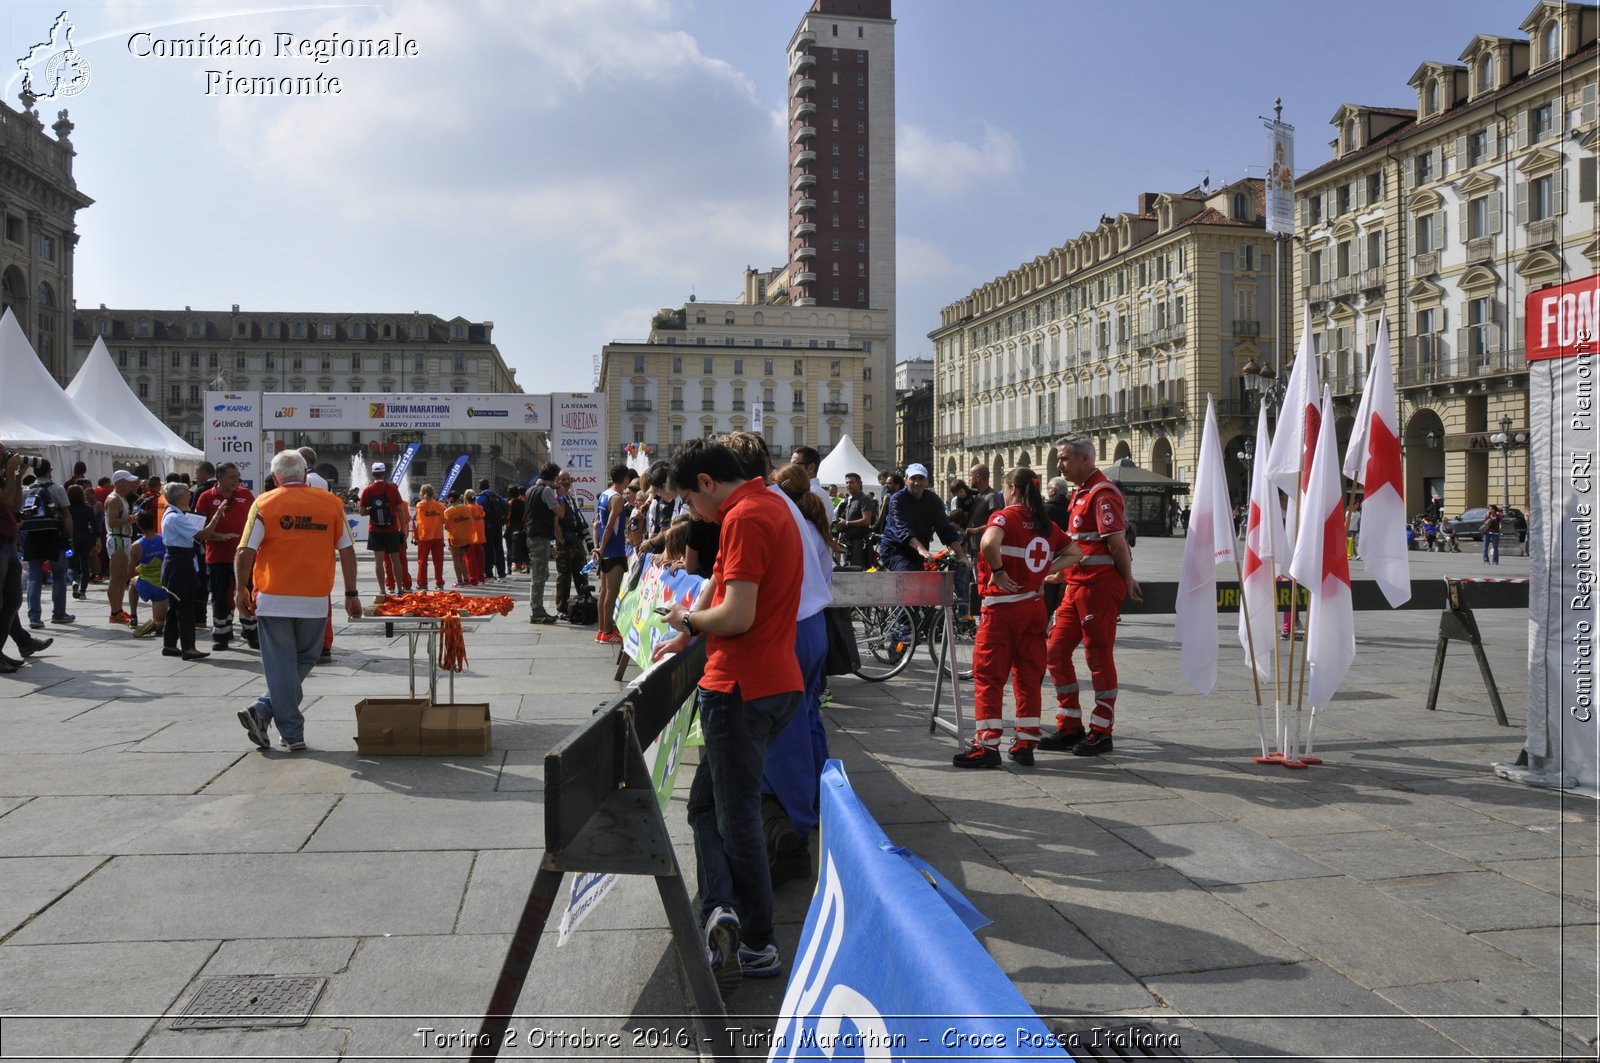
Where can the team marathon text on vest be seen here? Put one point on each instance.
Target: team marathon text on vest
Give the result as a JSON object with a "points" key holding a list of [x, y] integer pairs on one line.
{"points": [[281, 46], [301, 522]]}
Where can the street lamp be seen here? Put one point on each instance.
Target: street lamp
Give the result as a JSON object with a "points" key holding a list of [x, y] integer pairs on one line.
{"points": [[1503, 441]]}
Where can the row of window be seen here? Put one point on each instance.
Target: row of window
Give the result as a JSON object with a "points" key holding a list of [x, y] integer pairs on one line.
{"points": [[1484, 73], [298, 330], [729, 341], [1151, 269], [385, 362], [709, 365]]}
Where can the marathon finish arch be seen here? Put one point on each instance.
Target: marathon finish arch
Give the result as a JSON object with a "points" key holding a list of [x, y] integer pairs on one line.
{"points": [[236, 422], [1561, 747]]}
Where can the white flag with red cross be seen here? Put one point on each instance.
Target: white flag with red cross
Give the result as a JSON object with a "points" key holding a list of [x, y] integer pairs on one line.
{"points": [[1321, 566], [1209, 544], [1372, 459]]}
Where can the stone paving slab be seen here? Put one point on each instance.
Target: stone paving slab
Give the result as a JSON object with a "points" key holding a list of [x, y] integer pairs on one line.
{"points": [[1362, 933], [1315, 1013], [65, 826], [405, 823], [179, 898], [324, 771], [101, 997], [1478, 900], [56, 775], [34, 882], [1214, 854], [1375, 854], [1484, 1021]]}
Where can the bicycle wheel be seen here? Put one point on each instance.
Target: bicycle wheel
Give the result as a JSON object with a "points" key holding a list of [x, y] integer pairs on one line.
{"points": [[886, 638], [966, 638]]}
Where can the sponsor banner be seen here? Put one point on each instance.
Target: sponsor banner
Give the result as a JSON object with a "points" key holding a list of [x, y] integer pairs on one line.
{"points": [[1280, 178], [650, 584], [233, 433], [578, 442], [400, 467], [455, 474], [384, 412], [888, 968], [1562, 321]]}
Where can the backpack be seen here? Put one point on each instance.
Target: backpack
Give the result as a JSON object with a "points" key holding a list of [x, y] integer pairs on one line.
{"points": [[582, 609], [39, 512], [381, 515], [494, 508]]}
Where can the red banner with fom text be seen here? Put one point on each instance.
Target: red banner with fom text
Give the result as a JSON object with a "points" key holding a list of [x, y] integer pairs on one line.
{"points": [[1561, 320]]}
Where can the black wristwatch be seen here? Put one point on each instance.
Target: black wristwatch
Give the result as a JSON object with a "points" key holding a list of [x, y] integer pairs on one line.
{"points": [[688, 625], [352, 594]]}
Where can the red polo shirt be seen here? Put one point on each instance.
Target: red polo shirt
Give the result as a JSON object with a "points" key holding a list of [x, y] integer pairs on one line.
{"points": [[222, 551], [759, 544]]}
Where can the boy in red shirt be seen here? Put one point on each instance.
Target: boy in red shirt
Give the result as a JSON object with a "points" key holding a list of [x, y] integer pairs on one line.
{"points": [[750, 689], [386, 535]]}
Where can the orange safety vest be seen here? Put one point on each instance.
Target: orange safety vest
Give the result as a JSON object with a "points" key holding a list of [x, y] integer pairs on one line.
{"points": [[428, 523], [301, 528], [479, 534], [458, 523]]}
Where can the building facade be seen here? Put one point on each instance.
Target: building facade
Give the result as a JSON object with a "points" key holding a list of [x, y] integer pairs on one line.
{"points": [[912, 374], [798, 375], [39, 201], [914, 426], [1443, 218], [1120, 333], [170, 358]]}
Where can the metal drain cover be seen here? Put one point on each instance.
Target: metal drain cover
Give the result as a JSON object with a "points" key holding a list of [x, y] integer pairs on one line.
{"points": [[1139, 1041], [244, 1000]]}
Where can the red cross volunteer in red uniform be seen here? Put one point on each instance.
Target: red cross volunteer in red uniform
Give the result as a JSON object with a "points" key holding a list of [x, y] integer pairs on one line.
{"points": [[1089, 609], [1018, 548]]}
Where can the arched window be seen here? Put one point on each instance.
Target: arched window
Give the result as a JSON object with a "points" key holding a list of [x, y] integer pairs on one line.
{"points": [[1240, 211], [761, 319], [1431, 97], [699, 317], [1550, 42], [1349, 134], [728, 318], [1486, 74]]}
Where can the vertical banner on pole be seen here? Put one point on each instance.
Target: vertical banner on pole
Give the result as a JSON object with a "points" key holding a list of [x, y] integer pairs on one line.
{"points": [[1280, 178], [578, 442], [1560, 338], [233, 433], [401, 466], [455, 474]]}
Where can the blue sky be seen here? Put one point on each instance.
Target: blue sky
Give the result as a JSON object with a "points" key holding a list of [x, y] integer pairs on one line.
{"points": [[565, 167]]}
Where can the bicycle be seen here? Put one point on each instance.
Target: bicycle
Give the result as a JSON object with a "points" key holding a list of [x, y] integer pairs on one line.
{"points": [[887, 635]]}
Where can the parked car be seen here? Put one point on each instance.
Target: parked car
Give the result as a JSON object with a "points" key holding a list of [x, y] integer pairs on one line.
{"points": [[1469, 526]]}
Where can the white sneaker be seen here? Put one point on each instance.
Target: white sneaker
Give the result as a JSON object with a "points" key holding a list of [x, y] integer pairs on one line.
{"points": [[722, 949]]}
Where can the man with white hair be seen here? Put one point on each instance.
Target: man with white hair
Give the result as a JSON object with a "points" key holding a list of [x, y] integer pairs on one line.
{"points": [[284, 550]]}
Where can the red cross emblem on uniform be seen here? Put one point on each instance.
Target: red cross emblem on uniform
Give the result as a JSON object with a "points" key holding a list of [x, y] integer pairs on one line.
{"points": [[1037, 557]]}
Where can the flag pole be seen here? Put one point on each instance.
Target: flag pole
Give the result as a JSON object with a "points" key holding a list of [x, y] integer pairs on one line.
{"points": [[1250, 639]]}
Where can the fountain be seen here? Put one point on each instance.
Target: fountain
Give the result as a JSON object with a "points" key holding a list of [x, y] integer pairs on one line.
{"points": [[359, 476]]}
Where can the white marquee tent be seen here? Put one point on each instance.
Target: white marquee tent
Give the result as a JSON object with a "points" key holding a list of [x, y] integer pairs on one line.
{"points": [[843, 458], [37, 417], [100, 392]]}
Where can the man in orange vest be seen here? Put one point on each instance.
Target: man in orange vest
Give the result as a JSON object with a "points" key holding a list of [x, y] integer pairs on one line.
{"points": [[1095, 588], [283, 551], [427, 531]]}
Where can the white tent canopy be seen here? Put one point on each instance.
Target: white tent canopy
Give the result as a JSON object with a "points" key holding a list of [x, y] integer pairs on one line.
{"points": [[100, 392], [845, 458], [37, 416]]}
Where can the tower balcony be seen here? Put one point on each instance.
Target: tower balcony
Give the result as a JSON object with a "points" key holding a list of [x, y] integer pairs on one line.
{"points": [[805, 228], [805, 132], [804, 85], [804, 300], [803, 156], [805, 38], [803, 181], [805, 278], [801, 109], [804, 252], [803, 61], [803, 205]]}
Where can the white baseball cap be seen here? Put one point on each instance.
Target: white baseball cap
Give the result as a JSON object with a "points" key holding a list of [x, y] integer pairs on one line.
{"points": [[122, 476], [379, 466], [916, 470]]}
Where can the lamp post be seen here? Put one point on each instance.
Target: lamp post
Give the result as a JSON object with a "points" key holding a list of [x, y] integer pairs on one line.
{"points": [[1503, 441]]}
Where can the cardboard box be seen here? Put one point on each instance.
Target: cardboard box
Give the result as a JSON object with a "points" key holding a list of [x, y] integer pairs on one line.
{"points": [[412, 727]]}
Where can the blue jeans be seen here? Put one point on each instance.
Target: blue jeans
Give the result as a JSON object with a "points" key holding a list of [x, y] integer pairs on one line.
{"points": [[725, 807], [290, 646], [58, 587], [895, 561], [1491, 548]]}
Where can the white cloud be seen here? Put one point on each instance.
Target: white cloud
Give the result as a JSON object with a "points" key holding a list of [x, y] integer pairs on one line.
{"points": [[920, 261], [945, 167]]}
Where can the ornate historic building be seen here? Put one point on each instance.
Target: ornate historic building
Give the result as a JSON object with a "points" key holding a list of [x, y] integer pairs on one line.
{"points": [[1445, 217], [39, 201], [1120, 332]]}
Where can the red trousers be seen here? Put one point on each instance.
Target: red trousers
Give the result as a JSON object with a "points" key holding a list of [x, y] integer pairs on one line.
{"points": [[1087, 614], [474, 559], [430, 548], [1010, 643], [397, 573]]}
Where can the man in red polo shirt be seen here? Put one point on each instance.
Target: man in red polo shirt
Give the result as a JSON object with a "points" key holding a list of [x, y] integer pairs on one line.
{"points": [[220, 548], [750, 689]]}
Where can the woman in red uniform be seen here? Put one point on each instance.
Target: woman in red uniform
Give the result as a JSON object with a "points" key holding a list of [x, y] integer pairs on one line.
{"points": [[1020, 546]]}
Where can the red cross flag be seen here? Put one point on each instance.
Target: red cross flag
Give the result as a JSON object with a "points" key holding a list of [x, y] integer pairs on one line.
{"points": [[1373, 460], [1209, 544], [1321, 566], [1263, 541], [1289, 460]]}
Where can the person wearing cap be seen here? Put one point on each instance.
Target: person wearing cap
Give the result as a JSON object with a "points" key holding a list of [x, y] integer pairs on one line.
{"points": [[380, 504], [911, 519]]}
